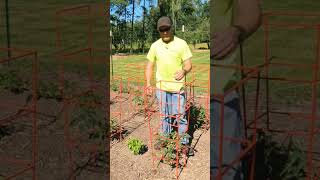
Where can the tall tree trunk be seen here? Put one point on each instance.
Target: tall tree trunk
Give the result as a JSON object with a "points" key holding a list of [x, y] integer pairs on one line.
{"points": [[8, 27], [125, 27], [131, 40], [143, 31], [172, 14]]}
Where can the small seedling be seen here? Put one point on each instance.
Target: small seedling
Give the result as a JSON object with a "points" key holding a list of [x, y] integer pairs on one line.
{"points": [[136, 146]]}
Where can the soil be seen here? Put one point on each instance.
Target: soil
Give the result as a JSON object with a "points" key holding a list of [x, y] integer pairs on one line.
{"points": [[52, 160], [125, 165]]}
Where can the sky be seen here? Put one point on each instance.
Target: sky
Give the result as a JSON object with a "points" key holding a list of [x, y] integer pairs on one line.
{"points": [[139, 11]]}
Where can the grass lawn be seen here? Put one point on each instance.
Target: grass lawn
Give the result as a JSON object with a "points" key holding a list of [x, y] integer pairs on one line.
{"points": [[32, 25], [287, 45], [133, 65]]}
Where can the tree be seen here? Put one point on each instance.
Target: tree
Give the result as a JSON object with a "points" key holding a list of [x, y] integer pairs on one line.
{"points": [[193, 14], [118, 22]]}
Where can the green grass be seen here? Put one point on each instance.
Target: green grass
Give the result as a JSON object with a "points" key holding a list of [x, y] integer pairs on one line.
{"points": [[133, 65], [293, 46], [32, 25]]}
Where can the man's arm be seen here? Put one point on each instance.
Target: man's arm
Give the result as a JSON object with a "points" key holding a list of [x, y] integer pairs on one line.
{"points": [[187, 66], [246, 20], [149, 69], [247, 17]]}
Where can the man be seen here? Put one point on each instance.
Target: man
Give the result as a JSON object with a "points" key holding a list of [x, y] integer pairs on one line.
{"points": [[232, 21], [173, 59]]}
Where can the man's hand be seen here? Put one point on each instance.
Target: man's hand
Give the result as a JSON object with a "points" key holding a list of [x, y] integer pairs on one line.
{"points": [[224, 42], [179, 74]]}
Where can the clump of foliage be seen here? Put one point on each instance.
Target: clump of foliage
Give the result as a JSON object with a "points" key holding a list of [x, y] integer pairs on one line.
{"points": [[168, 148], [138, 98], [115, 86], [89, 116], [170, 151], [10, 80], [116, 130], [49, 90], [114, 125], [136, 146], [279, 161], [5, 130], [198, 114]]}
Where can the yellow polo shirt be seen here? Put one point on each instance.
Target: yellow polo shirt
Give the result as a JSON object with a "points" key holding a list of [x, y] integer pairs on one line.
{"points": [[169, 58]]}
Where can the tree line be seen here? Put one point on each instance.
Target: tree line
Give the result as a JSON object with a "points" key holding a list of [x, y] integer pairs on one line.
{"points": [[134, 22]]}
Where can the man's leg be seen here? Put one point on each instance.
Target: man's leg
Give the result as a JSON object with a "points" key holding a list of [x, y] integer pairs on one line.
{"points": [[231, 128], [178, 100], [164, 99]]}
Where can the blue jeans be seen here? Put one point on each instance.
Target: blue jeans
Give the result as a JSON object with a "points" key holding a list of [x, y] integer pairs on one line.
{"points": [[232, 128], [173, 104]]}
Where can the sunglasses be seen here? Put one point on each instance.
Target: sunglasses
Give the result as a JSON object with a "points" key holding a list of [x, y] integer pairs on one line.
{"points": [[164, 29]]}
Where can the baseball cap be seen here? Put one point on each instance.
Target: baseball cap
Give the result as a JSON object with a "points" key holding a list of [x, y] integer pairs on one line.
{"points": [[164, 21]]}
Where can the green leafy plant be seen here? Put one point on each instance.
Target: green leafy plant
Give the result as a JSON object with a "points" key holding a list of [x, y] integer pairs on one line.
{"points": [[88, 116], [136, 146], [198, 114], [168, 148], [125, 89], [10, 80], [49, 90], [279, 161], [138, 100], [114, 125], [170, 152], [116, 130], [6, 130], [114, 86], [296, 163]]}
